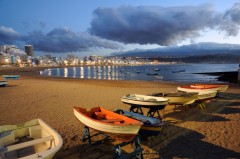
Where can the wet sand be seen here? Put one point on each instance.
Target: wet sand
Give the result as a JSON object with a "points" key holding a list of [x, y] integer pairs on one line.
{"points": [[188, 132]]}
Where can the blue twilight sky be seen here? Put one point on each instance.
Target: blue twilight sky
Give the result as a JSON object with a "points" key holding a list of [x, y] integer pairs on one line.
{"points": [[101, 27]]}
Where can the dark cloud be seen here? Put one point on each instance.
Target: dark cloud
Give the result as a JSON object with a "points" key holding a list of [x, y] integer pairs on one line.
{"points": [[8, 35], [65, 40], [234, 13], [158, 25], [231, 20]]}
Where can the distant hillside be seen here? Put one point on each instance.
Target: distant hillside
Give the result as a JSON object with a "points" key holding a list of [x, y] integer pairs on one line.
{"points": [[185, 50], [216, 58]]}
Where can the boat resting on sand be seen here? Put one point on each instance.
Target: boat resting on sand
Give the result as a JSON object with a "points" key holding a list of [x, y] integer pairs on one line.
{"points": [[203, 93], [144, 100], [151, 126], [30, 140], [217, 87], [190, 88], [117, 126], [179, 98], [3, 83], [11, 76], [206, 95]]}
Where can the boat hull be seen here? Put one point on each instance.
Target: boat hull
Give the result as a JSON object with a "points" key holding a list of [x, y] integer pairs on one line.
{"points": [[217, 87], [193, 89], [153, 130], [35, 130], [120, 131], [151, 126], [206, 95], [203, 93], [143, 100], [179, 98]]}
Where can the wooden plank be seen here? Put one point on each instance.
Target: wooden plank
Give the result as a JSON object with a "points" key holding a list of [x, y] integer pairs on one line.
{"points": [[112, 120], [27, 144], [17, 128], [136, 117]]}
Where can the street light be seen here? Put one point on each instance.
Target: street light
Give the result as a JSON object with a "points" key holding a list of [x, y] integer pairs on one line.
{"points": [[6, 61]]}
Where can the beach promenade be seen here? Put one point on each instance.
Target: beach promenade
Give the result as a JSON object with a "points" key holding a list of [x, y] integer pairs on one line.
{"points": [[188, 132]]}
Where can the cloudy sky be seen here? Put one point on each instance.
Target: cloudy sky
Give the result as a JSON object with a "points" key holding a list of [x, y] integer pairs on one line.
{"points": [[101, 27]]}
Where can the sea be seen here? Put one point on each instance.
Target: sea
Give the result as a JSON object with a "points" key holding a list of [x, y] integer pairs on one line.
{"points": [[162, 72]]}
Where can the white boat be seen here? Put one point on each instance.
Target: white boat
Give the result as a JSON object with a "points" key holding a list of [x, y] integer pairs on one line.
{"points": [[3, 83], [117, 126], [30, 140], [189, 88], [216, 87], [179, 98], [203, 93], [144, 100]]}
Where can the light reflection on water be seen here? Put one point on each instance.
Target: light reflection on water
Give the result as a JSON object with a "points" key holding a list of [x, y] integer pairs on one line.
{"points": [[81, 72], [65, 71], [177, 72]]}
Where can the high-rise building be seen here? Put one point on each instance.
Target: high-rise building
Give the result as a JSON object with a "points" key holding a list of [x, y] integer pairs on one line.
{"points": [[29, 50]]}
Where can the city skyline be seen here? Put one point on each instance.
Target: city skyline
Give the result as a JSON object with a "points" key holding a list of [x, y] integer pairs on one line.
{"points": [[104, 27]]}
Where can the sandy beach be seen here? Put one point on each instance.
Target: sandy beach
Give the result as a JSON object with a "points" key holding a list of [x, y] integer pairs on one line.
{"points": [[188, 133]]}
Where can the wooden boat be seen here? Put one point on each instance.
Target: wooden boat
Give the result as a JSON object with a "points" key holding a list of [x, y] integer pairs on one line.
{"points": [[112, 124], [3, 83], [30, 140], [179, 98], [203, 93], [151, 126], [217, 87], [11, 76], [144, 100], [189, 88]]}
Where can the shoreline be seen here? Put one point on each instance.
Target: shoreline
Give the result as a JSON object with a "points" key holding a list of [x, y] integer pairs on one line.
{"points": [[187, 129], [227, 77], [33, 72], [231, 76]]}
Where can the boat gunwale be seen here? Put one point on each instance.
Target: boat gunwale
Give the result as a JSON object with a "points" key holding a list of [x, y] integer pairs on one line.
{"points": [[195, 88], [57, 139], [119, 132]]}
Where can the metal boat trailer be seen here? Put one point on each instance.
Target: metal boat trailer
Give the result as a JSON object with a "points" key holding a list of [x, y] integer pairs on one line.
{"points": [[153, 111], [137, 152]]}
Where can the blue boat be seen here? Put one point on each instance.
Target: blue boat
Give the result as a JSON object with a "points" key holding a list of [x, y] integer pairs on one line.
{"points": [[11, 76], [151, 126]]}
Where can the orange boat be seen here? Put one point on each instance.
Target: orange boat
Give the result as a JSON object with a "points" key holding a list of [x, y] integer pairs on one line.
{"points": [[117, 126], [217, 87], [190, 88]]}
